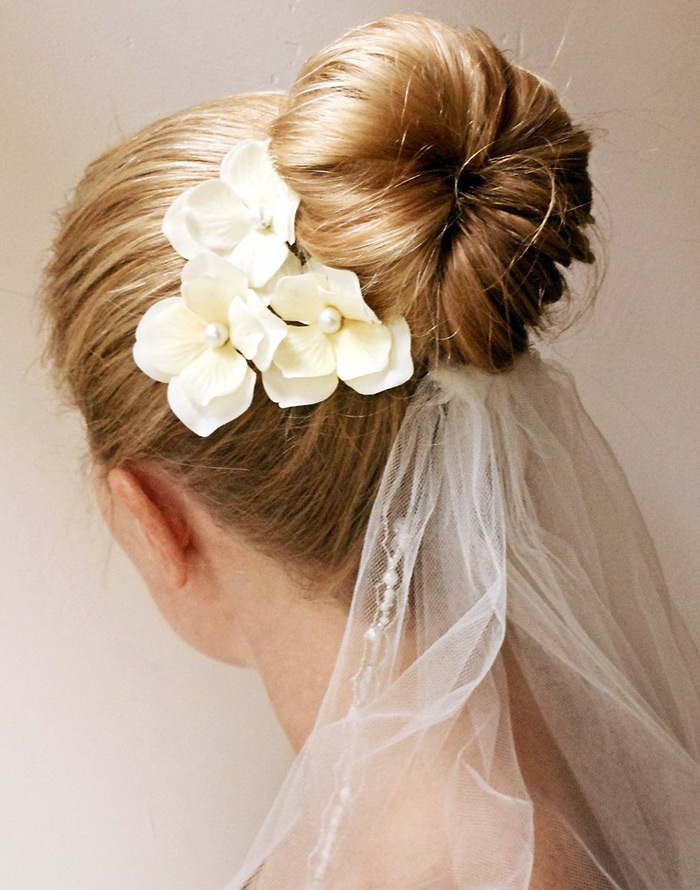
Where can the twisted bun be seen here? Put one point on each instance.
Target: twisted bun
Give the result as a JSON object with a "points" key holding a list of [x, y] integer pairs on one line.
{"points": [[450, 180]]}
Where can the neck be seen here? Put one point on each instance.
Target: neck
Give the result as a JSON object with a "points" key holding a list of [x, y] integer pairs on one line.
{"points": [[294, 651], [290, 634]]}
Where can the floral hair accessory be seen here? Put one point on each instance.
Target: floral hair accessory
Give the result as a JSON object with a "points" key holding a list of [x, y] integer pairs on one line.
{"points": [[337, 337], [198, 343], [246, 216], [245, 298]]}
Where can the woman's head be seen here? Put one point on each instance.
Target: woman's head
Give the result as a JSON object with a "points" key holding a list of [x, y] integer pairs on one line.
{"points": [[448, 179]]}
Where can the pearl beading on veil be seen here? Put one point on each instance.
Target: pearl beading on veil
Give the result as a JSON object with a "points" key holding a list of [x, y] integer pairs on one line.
{"points": [[361, 682]]}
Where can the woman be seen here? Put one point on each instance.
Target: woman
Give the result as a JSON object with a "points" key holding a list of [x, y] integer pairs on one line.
{"points": [[363, 481]]}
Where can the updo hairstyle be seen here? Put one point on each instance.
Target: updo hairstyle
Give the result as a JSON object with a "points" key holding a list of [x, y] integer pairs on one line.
{"points": [[449, 179]]}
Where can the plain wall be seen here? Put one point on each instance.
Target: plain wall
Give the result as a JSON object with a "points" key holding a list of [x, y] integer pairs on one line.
{"points": [[127, 760]]}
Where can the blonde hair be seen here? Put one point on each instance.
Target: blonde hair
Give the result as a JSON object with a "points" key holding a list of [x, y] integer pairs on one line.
{"points": [[448, 178]]}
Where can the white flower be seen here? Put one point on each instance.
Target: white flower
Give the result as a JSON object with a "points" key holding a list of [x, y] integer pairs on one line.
{"points": [[198, 343], [339, 337], [246, 216], [236, 232]]}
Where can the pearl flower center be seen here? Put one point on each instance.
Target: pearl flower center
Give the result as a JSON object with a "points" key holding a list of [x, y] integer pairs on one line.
{"points": [[259, 216], [215, 334], [329, 320]]}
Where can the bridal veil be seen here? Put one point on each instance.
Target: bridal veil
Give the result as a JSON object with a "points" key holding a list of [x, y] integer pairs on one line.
{"points": [[503, 516]]}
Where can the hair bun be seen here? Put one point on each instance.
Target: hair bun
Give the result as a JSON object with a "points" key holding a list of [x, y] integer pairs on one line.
{"points": [[449, 179]]}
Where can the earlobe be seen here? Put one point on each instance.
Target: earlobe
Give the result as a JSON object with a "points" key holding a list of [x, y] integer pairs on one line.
{"points": [[164, 529]]}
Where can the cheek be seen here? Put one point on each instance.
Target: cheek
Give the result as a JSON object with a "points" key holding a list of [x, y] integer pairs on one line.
{"points": [[197, 616], [132, 541], [120, 523], [204, 622], [104, 499]]}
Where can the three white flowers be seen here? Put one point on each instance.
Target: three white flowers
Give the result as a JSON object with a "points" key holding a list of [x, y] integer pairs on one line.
{"points": [[246, 298]]}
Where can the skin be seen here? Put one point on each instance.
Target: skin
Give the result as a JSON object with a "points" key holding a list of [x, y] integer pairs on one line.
{"points": [[236, 605], [223, 596]]}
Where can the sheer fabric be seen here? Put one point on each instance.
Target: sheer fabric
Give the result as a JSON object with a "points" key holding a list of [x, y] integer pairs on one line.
{"points": [[505, 560]]}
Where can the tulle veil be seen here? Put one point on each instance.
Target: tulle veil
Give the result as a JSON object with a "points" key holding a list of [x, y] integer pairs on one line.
{"points": [[504, 527]]}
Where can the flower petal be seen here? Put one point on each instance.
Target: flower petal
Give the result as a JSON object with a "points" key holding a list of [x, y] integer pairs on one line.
{"points": [[284, 212], [288, 392], [305, 352], [214, 266], [247, 168], [343, 291], [275, 330], [400, 366], [260, 255], [245, 331], [361, 348], [216, 372], [291, 266], [142, 360], [209, 298], [216, 217], [204, 420], [175, 228], [169, 338], [298, 298]]}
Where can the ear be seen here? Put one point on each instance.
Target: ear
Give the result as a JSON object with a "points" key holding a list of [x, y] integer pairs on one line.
{"points": [[153, 504]]}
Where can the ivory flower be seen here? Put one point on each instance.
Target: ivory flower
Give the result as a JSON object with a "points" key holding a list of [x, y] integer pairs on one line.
{"points": [[246, 216], [337, 337], [198, 343]]}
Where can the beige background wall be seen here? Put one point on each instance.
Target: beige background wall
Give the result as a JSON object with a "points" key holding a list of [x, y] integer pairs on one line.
{"points": [[126, 760]]}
